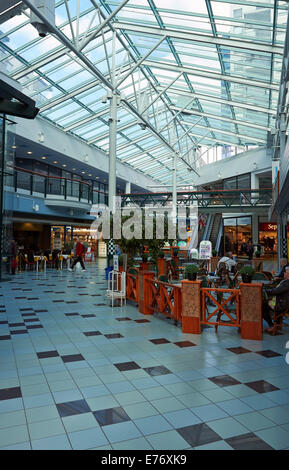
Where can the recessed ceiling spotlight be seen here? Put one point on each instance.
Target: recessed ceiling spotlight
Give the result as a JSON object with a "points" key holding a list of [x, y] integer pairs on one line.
{"points": [[83, 172], [29, 153], [14, 147], [89, 174], [55, 161], [64, 165], [43, 158], [97, 177], [74, 169]]}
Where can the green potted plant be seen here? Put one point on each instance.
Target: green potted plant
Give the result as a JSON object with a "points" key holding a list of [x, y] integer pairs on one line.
{"points": [[161, 254], [247, 273], [214, 252], [191, 271], [257, 254]]}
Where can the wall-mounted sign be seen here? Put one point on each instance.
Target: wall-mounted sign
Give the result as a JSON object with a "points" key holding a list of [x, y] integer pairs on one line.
{"points": [[267, 227]]}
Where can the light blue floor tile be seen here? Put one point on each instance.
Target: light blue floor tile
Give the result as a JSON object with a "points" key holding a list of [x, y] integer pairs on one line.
{"points": [[276, 437], [10, 405], [152, 424], [209, 412], [13, 435], [234, 407], [254, 421], [170, 440], [228, 427], [60, 442], [87, 439], [20, 446], [258, 402], [133, 444], [38, 400], [121, 431], [181, 418], [278, 414]]}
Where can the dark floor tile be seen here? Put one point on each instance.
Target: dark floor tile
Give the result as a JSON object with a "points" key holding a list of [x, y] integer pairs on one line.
{"points": [[32, 298], [123, 319], [92, 333], [9, 393], [40, 311], [32, 314], [111, 416], [72, 358], [198, 434], [88, 315], [261, 386], [157, 370], [159, 341], [71, 314], [239, 350], [142, 321], [25, 309], [114, 335], [33, 327], [72, 408], [224, 380], [100, 305], [4, 337], [16, 324], [58, 301], [184, 344], [4, 322], [268, 353], [123, 366], [30, 320], [248, 442], [46, 354]]}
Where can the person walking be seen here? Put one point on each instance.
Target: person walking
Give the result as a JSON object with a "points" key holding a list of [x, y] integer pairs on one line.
{"points": [[79, 251]]}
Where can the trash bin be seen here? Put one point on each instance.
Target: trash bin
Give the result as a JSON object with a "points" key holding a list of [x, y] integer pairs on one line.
{"points": [[107, 271]]}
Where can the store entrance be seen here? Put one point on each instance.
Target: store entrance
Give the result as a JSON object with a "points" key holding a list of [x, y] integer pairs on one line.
{"points": [[237, 235], [268, 239]]}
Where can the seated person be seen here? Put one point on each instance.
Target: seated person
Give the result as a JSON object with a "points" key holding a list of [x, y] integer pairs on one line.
{"points": [[283, 263], [279, 302], [228, 260]]}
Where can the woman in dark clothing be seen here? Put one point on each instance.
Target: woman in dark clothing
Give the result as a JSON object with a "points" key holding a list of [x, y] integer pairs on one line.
{"points": [[279, 303]]}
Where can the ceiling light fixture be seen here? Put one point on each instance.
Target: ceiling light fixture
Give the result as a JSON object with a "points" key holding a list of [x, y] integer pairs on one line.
{"points": [[64, 165], [43, 158], [29, 153], [55, 161]]}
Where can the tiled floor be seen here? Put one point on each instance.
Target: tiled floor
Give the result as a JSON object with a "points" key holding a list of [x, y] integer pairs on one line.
{"points": [[77, 374]]}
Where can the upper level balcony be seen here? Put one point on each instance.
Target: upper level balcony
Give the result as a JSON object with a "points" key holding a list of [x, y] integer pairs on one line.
{"points": [[57, 191]]}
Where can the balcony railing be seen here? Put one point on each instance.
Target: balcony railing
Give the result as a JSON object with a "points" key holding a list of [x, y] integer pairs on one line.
{"points": [[67, 188]]}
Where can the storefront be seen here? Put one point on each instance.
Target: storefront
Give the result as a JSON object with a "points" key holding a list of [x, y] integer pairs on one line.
{"points": [[237, 234], [268, 238], [32, 236], [64, 236]]}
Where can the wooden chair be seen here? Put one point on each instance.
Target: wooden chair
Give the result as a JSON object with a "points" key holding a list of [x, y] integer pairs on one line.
{"points": [[277, 324]]}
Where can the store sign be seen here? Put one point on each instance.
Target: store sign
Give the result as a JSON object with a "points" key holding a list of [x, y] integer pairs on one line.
{"points": [[267, 227], [205, 251], [115, 263]]}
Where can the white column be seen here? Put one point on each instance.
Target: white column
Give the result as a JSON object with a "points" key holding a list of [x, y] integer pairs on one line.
{"points": [[128, 187]]}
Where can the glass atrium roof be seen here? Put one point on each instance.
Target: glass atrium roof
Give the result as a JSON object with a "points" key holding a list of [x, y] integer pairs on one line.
{"points": [[189, 75]]}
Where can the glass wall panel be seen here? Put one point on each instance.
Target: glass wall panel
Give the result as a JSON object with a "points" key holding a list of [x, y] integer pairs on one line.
{"points": [[7, 244]]}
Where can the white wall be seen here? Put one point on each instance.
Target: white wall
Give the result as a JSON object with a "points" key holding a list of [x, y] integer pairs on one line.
{"points": [[69, 145], [236, 165]]}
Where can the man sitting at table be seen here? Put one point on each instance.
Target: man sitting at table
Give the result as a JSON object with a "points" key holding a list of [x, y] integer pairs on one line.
{"points": [[279, 302], [228, 260]]}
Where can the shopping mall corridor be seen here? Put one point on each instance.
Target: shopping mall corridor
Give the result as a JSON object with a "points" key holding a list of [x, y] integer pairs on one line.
{"points": [[77, 374]]}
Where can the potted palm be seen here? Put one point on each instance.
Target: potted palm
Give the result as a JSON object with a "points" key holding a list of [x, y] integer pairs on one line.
{"points": [[247, 273], [191, 272]]}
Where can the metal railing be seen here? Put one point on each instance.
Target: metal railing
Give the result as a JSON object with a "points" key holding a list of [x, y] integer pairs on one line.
{"points": [[68, 188], [224, 198]]}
